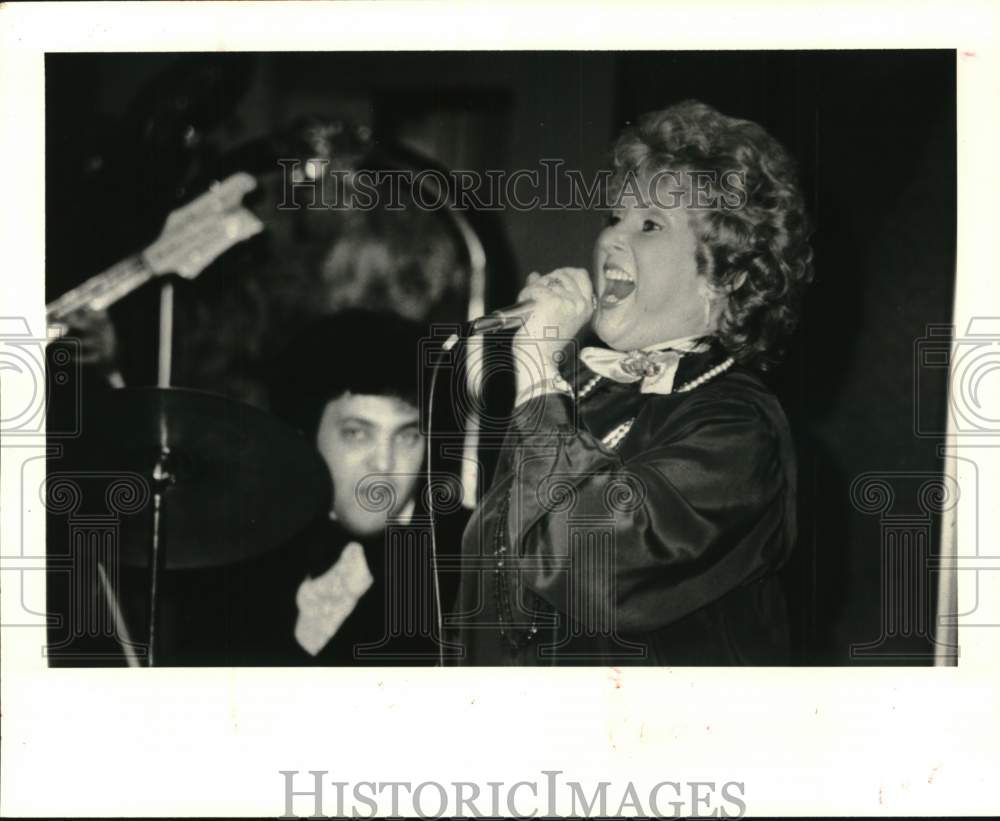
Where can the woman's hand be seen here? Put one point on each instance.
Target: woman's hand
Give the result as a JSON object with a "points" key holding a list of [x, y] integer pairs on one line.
{"points": [[564, 303]]}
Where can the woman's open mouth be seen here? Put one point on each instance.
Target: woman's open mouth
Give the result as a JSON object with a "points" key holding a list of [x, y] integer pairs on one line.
{"points": [[618, 285]]}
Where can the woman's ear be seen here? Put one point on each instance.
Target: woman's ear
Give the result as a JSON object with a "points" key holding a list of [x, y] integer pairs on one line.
{"points": [[714, 302]]}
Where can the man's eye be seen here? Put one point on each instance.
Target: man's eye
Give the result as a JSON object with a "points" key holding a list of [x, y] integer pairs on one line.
{"points": [[353, 434], [651, 225], [409, 438]]}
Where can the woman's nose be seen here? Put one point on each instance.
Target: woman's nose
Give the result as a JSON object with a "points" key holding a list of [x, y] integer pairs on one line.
{"points": [[611, 240]]}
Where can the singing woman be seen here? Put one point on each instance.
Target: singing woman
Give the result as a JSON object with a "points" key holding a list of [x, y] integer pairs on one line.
{"points": [[646, 497]]}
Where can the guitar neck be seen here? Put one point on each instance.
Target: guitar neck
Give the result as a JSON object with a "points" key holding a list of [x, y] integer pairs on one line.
{"points": [[193, 236], [104, 289]]}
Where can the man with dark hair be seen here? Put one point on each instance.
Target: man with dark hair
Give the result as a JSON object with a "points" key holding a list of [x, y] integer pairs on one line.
{"points": [[358, 587], [350, 382]]}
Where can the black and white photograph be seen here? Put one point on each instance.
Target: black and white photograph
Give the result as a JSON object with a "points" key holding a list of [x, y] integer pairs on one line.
{"points": [[681, 441], [369, 372]]}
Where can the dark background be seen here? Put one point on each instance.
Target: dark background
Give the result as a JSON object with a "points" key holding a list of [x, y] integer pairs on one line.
{"points": [[875, 136]]}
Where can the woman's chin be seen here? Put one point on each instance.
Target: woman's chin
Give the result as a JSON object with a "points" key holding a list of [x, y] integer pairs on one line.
{"points": [[611, 328]]}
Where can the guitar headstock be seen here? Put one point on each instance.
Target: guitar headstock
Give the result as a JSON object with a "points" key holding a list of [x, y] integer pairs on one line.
{"points": [[197, 234]]}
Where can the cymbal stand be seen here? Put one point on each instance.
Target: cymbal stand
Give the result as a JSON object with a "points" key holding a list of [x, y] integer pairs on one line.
{"points": [[162, 477]]}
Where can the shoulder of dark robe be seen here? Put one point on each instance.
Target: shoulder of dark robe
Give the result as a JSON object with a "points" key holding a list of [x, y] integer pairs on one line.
{"points": [[733, 416], [745, 421]]}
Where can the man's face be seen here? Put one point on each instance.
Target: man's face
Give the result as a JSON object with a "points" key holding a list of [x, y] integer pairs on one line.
{"points": [[645, 275], [373, 446]]}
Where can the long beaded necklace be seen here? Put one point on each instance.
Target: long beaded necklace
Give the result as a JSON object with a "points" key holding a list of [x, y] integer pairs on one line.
{"points": [[505, 614]]}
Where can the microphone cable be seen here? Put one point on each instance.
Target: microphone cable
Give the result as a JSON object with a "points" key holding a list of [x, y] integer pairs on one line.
{"points": [[448, 345]]}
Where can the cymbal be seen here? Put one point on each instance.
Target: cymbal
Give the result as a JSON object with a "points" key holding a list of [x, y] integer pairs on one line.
{"points": [[238, 481]]}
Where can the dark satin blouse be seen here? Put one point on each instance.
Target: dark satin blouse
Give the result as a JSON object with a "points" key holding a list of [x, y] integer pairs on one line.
{"points": [[659, 551]]}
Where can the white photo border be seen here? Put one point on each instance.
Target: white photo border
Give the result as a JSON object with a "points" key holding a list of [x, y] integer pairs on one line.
{"points": [[183, 742]]}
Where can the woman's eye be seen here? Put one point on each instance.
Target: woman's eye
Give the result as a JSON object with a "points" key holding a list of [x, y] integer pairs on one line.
{"points": [[614, 219], [650, 225]]}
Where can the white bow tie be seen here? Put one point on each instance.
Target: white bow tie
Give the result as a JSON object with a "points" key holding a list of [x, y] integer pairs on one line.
{"points": [[325, 602], [655, 366]]}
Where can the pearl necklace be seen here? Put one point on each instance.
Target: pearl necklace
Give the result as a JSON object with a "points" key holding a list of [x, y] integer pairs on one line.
{"points": [[591, 384], [722, 367], [614, 438]]}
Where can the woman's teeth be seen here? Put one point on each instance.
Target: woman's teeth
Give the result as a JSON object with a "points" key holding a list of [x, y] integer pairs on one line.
{"points": [[618, 285], [618, 273]]}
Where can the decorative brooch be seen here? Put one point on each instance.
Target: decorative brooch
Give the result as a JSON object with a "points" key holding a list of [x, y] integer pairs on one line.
{"points": [[640, 364]]}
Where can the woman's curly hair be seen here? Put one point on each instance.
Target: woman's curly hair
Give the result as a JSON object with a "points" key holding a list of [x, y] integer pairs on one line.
{"points": [[754, 239]]}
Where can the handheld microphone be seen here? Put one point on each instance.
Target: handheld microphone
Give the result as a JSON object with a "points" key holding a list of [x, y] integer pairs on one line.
{"points": [[501, 319], [498, 320]]}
